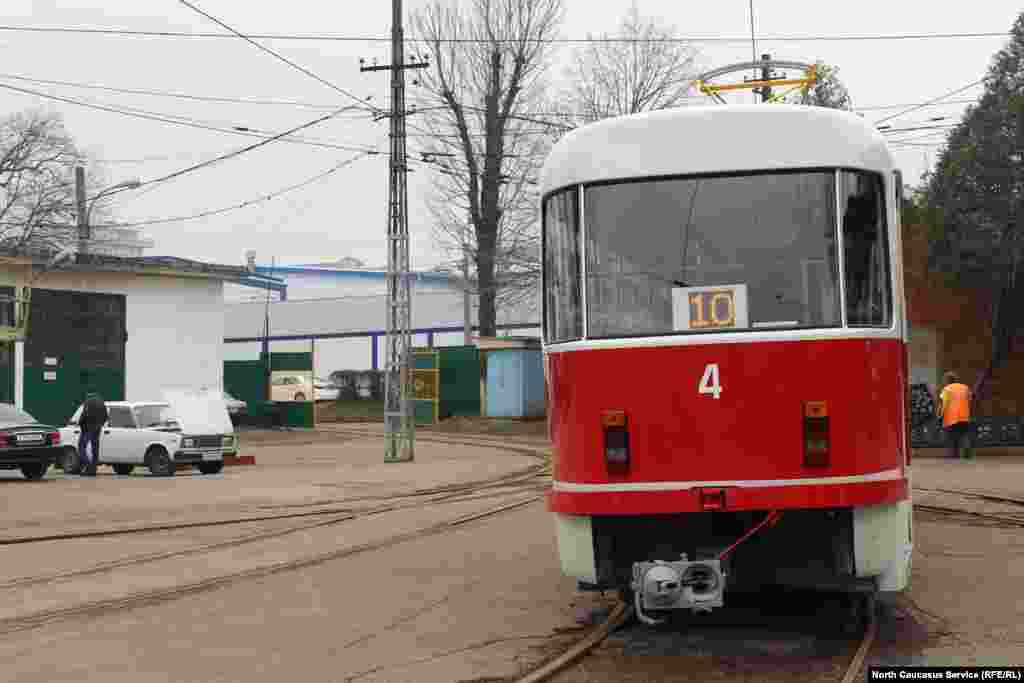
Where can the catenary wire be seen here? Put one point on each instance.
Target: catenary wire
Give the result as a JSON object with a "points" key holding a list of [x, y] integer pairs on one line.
{"points": [[278, 56], [387, 39]]}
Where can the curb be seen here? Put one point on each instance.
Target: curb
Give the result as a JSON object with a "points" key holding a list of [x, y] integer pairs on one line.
{"points": [[239, 460]]}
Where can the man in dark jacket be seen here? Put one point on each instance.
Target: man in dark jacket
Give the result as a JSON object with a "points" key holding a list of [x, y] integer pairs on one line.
{"points": [[94, 416]]}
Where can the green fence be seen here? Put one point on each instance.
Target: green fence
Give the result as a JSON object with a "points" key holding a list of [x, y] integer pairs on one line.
{"points": [[460, 381], [246, 380]]}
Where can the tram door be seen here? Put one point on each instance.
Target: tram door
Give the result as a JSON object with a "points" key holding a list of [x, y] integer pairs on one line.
{"points": [[75, 344]]}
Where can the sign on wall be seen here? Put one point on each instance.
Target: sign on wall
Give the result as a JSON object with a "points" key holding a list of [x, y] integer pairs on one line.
{"points": [[721, 307]]}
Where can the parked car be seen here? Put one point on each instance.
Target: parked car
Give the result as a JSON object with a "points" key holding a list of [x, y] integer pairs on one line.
{"points": [[27, 444], [236, 408], [290, 388], [324, 390], [160, 435]]}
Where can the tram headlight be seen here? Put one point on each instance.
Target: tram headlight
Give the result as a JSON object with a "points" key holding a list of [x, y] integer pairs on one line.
{"points": [[616, 437], [817, 440]]}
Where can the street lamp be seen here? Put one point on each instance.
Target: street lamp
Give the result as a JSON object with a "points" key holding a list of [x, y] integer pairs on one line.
{"points": [[84, 231], [126, 185]]}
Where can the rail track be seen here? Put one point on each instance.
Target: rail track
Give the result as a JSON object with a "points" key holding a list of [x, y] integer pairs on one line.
{"points": [[525, 485], [1010, 520], [326, 507]]}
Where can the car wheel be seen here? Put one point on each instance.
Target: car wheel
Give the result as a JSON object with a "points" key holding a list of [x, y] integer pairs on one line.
{"points": [[211, 467], [35, 471], [159, 462], [123, 469], [300, 396], [70, 462]]}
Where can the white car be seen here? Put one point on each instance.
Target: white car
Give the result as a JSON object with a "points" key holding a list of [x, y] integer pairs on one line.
{"points": [[291, 388], [235, 406], [325, 391], [160, 435]]}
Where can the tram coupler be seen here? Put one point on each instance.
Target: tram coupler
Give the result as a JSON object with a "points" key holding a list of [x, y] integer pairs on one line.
{"points": [[697, 585]]}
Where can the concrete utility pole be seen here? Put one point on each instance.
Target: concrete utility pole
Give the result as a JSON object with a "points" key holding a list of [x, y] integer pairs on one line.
{"points": [[84, 228], [399, 424]]}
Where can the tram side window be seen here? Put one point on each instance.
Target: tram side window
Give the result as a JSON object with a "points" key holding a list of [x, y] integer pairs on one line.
{"points": [[563, 311], [865, 250]]}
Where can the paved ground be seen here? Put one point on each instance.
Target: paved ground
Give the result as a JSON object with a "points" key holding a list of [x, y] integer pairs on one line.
{"points": [[483, 602]]}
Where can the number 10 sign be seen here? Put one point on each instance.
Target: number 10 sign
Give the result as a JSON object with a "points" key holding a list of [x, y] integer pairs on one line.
{"points": [[721, 307]]}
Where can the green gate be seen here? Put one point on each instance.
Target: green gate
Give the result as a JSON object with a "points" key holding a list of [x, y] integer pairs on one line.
{"points": [[460, 381], [75, 344]]}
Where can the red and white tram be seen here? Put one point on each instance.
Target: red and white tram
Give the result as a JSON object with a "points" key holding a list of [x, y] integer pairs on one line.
{"points": [[725, 355]]}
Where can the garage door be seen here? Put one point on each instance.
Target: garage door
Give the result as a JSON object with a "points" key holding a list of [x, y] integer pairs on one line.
{"points": [[75, 344]]}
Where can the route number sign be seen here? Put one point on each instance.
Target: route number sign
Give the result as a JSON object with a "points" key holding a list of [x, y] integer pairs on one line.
{"points": [[700, 309]]}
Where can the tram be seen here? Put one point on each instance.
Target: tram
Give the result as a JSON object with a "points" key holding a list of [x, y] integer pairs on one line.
{"points": [[725, 352]]}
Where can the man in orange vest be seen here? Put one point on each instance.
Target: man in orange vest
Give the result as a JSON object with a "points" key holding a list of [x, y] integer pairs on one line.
{"points": [[955, 411]]}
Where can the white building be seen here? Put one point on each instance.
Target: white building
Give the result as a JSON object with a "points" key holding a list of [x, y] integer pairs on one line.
{"points": [[126, 327], [116, 241], [342, 307]]}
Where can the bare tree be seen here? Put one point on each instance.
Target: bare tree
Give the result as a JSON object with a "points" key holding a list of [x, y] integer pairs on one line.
{"points": [[642, 67], [37, 192], [488, 59]]}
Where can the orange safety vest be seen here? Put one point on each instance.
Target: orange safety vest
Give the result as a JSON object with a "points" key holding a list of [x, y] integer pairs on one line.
{"points": [[956, 404]]}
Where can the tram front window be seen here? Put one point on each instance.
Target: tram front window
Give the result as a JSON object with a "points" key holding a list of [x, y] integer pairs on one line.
{"points": [[740, 252], [865, 253], [563, 310]]}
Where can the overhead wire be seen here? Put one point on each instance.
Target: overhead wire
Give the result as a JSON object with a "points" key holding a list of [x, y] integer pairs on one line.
{"points": [[387, 39], [179, 121], [239, 152], [279, 56], [309, 105], [176, 95], [241, 205], [931, 101]]}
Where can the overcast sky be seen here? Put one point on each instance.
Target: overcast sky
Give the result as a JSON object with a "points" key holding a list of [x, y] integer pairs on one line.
{"points": [[345, 214]]}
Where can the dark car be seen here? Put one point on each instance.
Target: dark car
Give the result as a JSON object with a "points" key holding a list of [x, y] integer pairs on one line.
{"points": [[25, 443]]}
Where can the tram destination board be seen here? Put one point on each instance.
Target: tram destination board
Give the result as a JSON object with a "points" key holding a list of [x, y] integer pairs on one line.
{"points": [[721, 307], [945, 673]]}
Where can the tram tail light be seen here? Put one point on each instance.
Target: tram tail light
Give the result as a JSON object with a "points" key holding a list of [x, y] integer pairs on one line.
{"points": [[616, 437], [817, 442]]}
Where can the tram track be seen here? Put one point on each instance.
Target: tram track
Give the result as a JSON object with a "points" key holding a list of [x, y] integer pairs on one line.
{"points": [[1011, 519], [621, 614], [160, 595], [145, 558], [525, 485], [974, 494], [521, 475]]}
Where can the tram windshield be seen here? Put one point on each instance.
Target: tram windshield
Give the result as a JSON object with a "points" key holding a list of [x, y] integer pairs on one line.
{"points": [[727, 253]]}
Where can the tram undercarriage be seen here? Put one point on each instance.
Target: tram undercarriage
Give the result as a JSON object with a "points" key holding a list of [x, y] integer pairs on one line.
{"points": [[691, 561]]}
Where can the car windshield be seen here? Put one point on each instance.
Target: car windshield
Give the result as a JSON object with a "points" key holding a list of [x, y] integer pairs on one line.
{"points": [[12, 417], [154, 416]]}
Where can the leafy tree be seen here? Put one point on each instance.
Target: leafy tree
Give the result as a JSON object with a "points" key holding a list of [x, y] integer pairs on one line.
{"points": [[976, 194], [828, 91]]}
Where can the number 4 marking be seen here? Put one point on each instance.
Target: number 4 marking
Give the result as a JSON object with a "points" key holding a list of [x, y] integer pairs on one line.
{"points": [[710, 383]]}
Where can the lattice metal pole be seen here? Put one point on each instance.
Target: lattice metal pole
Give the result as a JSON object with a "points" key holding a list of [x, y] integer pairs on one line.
{"points": [[398, 415]]}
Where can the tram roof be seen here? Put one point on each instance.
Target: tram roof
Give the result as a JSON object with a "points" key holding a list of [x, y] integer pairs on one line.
{"points": [[715, 139]]}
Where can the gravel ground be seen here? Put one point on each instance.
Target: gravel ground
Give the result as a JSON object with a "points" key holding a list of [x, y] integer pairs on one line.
{"points": [[480, 603]]}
